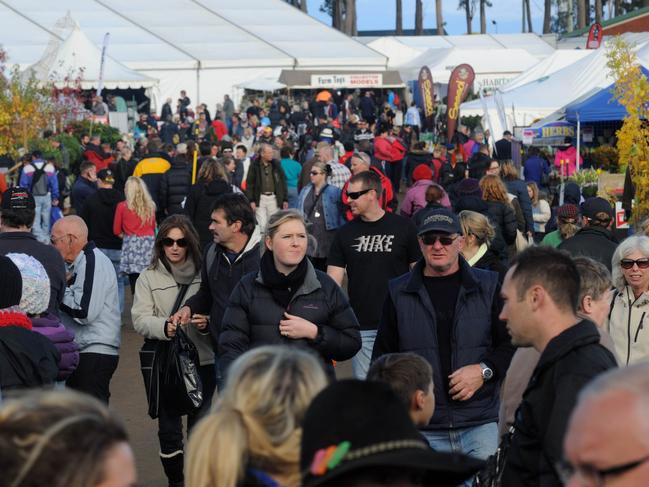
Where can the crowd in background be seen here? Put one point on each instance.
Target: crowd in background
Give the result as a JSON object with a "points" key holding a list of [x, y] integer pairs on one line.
{"points": [[480, 304]]}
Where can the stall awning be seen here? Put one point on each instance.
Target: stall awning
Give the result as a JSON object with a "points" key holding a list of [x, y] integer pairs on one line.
{"points": [[336, 79]]}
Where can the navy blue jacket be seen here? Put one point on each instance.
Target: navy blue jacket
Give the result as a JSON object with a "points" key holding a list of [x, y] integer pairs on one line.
{"points": [[408, 325], [518, 188]]}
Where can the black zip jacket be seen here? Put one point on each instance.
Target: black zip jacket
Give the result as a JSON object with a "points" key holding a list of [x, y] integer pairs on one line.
{"points": [[252, 319], [569, 362], [99, 212]]}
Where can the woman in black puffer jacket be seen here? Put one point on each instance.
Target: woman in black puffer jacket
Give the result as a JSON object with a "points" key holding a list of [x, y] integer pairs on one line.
{"points": [[176, 183], [500, 211], [288, 302], [212, 183]]}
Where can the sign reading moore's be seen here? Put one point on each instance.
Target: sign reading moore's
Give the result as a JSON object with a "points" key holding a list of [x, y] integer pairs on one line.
{"points": [[360, 80]]}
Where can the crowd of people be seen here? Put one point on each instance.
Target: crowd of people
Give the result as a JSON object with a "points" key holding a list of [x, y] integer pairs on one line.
{"points": [[485, 315]]}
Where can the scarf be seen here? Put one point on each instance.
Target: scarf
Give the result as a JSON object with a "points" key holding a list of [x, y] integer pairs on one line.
{"points": [[183, 272], [13, 317], [282, 287]]}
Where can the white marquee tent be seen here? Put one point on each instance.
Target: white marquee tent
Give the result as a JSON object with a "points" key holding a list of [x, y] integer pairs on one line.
{"points": [[203, 46], [535, 100], [401, 50], [493, 67], [78, 56]]}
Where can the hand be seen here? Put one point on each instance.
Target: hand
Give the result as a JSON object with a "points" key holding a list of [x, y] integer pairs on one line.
{"points": [[295, 327], [171, 328], [200, 321], [464, 382], [285, 205], [182, 316], [253, 206]]}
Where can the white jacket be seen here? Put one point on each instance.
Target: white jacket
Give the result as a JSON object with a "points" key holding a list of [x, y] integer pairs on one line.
{"points": [[155, 294], [629, 326]]}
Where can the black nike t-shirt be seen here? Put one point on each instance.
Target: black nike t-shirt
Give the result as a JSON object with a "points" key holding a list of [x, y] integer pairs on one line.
{"points": [[373, 253]]}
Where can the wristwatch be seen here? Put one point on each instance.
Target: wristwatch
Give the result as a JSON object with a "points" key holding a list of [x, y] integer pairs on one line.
{"points": [[487, 373]]}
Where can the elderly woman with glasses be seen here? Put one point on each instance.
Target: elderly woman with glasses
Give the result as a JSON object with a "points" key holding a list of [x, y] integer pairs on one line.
{"points": [[321, 206], [630, 306], [172, 278]]}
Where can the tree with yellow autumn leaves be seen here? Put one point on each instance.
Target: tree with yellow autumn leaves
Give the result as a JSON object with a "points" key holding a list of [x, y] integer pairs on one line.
{"points": [[631, 90], [27, 108]]}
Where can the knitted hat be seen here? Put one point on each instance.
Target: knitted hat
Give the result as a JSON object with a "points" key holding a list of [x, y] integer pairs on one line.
{"points": [[468, 187], [568, 211], [35, 284], [11, 284], [422, 171]]}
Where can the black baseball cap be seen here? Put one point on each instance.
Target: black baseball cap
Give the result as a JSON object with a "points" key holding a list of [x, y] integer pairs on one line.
{"points": [[17, 198], [593, 206], [440, 220]]}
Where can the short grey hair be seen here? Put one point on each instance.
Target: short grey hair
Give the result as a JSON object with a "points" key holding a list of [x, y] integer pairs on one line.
{"points": [[628, 246], [633, 379], [363, 157]]}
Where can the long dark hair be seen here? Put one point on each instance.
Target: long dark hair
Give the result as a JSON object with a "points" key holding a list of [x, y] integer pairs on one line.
{"points": [[184, 224]]}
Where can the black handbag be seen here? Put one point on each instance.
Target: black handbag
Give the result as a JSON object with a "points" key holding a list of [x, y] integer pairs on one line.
{"points": [[149, 364]]}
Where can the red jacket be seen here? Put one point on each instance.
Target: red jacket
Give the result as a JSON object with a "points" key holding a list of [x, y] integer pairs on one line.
{"points": [[386, 198]]}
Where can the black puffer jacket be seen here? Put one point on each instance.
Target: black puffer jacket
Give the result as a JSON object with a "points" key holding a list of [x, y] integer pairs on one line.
{"points": [[503, 217], [199, 206], [252, 319], [175, 186]]}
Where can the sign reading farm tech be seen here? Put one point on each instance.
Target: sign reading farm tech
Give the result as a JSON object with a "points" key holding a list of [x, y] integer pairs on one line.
{"points": [[360, 80]]}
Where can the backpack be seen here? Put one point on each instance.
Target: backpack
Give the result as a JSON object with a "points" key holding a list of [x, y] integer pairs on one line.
{"points": [[39, 183]]}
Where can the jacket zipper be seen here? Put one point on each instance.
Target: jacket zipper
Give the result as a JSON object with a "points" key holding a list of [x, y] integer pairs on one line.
{"points": [[635, 340], [628, 331]]}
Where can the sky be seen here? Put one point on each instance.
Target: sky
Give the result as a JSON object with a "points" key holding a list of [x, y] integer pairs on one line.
{"points": [[380, 14]]}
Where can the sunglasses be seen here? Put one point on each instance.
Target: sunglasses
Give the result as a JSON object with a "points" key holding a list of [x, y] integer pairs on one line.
{"points": [[432, 238], [354, 195], [169, 242], [315, 173], [628, 263]]}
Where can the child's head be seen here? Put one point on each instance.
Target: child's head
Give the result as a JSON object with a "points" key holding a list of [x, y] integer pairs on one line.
{"points": [[411, 378]]}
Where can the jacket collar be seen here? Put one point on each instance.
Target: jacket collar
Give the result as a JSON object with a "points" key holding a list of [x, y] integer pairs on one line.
{"points": [[583, 333], [416, 280], [599, 232], [310, 284], [17, 236]]}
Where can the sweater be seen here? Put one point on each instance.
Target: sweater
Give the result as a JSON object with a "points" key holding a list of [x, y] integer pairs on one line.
{"points": [[128, 223]]}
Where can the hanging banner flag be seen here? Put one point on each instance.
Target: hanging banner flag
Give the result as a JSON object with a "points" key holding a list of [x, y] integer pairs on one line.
{"points": [[100, 83], [594, 36], [458, 88], [426, 97]]}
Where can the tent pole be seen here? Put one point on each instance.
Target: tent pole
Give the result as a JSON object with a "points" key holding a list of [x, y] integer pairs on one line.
{"points": [[578, 142]]}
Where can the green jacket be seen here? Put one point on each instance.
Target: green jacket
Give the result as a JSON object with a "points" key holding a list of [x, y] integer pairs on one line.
{"points": [[253, 182]]}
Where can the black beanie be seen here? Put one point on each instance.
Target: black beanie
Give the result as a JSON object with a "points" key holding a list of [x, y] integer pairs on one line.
{"points": [[11, 288]]}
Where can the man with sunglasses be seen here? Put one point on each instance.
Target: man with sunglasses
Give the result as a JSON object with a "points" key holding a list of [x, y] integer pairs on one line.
{"points": [[595, 239], [90, 307], [606, 442], [373, 248], [447, 312]]}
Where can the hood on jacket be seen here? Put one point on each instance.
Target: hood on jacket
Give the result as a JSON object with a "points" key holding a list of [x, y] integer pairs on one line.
{"points": [[218, 186], [472, 203], [110, 196]]}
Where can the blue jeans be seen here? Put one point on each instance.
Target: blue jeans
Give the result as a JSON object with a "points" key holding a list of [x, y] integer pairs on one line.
{"points": [[361, 361], [292, 197], [115, 255], [41, 227], [476, 441]]}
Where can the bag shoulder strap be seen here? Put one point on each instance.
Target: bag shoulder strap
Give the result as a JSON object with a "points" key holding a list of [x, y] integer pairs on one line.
{"points": [[209, 258], [179, 299]]}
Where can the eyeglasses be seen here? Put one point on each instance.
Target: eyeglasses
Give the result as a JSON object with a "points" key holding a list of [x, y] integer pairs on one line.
{"points": [[53, 240], [354, 195], [591, 476], [315, 173], [169, 242], [432, 238], [629, 263]]}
